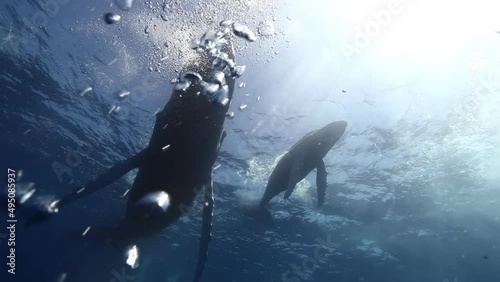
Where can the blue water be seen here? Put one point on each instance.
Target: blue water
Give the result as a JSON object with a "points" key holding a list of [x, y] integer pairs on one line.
{"points": [[413, 192]]}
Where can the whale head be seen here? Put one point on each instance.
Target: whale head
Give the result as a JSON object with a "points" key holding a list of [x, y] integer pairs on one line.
{"points": [[332, 132]]}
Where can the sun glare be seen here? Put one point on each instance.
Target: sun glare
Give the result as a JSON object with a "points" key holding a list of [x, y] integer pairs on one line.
{"points": [[432, 31]]}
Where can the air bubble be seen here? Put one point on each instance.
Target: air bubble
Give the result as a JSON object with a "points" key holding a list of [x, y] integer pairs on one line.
{"points": [[243, 32], [112, 18], [124, 5], [266, 28], [123, 94]]}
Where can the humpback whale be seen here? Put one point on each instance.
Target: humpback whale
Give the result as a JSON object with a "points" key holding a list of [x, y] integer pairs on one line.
{"points": [[306, 155], [179, 158]]}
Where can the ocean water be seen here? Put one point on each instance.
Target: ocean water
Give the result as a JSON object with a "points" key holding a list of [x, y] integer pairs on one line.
{"points": [[413, 189]]}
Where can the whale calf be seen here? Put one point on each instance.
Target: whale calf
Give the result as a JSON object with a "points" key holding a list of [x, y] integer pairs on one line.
{"points": [[307, 154]]}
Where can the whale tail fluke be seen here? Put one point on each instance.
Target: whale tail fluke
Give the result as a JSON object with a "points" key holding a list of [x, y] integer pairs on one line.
{"points": [[259, 213]]}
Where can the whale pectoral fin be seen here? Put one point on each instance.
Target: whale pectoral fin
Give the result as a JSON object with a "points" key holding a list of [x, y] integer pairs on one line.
{"points": [[224, 135], [294, 176], [206, 229], [110, 176], [289, 189], [221, 140], [321, 182]]}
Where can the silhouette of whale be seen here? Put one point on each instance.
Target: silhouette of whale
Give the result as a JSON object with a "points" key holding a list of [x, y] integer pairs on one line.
{"points": [[296, 164]]}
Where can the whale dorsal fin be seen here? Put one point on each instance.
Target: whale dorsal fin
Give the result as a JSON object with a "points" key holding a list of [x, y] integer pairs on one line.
{"points": [[295, 175], [321, 182], [206, 228]]}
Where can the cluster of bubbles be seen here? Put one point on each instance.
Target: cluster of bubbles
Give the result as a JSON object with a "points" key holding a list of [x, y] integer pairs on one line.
{"points": [[213, 43], [173, 24], [169, 25], [124, 5]]}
